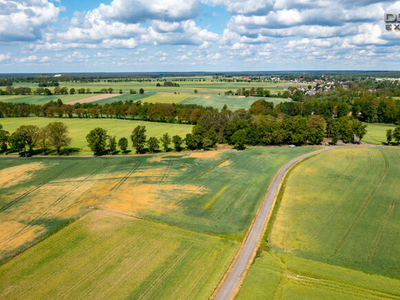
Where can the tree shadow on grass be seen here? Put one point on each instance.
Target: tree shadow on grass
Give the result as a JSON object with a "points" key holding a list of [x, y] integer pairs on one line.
{"points": [[69, 151]]}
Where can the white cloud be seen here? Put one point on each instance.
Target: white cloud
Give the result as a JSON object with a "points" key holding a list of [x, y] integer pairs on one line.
{"points": [[6, 56], [134, 11], [33, 59], [76, 57], [26, 20]]}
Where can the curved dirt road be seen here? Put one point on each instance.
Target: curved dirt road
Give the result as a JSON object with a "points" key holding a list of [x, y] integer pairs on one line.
{"points": [[228, 288]]}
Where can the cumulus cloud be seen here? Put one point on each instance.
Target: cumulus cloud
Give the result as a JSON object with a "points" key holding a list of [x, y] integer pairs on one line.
{"points": [[26, 20], [6, 56], [133, 11], [33, 59]]}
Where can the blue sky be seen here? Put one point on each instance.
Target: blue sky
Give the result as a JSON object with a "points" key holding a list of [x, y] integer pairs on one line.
{"points": [[196, 35]]}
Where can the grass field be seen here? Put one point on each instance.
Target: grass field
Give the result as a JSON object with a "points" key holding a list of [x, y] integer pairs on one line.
{"points": [[336, 230], [167, 98], [40, 100], [112, 256], [126, 97], [233, 102], [216, 192], [185, 86], [79, 128], [376, 133]]}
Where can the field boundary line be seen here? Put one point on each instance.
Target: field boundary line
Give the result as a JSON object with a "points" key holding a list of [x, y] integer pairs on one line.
{"points": [[214, 166], [35, 188], [232, 280], [363, 208], [7, 257]]}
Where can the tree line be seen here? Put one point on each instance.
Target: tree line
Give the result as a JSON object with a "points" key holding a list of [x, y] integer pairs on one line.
{"points": [[52, 136]]}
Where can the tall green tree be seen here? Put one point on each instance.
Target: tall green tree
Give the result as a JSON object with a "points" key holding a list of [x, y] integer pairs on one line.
{"points": [[389, 136], [239, 138], [177, 141], [57, 134], [97, 139], [27, 135], [138, 138], [396, 134], [4, 136], [43, 139], [123, 144], [165, 141], [153, 144], [112, 144]]}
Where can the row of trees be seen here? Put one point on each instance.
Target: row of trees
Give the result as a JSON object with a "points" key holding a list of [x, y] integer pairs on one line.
{"points": [[393, 135], [44, 90], [26, 137], [100, 142]]}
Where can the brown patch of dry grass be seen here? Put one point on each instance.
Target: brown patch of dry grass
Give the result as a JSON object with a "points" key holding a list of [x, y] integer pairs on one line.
{"points": [[93, 98], [206, 154], [225, 163], [14, 175]]}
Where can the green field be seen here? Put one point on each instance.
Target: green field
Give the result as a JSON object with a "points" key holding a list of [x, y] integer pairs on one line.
{"points": [[185, 86], [167, 98], [201, 191], [233, 102], [111, 256], [125, 97], [40, 100], [79, 128], [376, 133], [194, 209], [335, 233]]}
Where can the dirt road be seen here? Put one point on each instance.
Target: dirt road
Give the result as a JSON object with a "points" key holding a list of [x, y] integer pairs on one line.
{"points": [[229, 287]]}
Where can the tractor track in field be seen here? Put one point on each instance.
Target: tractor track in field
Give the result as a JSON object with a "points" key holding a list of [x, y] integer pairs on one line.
{"points": [[239, 267], [168, 271], [35, 188], [127, 176], [55, 203], [363, 208]]}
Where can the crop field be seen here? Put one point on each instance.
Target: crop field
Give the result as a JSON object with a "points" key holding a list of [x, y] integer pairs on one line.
{"points": [[167, 98], [376, 133], [146, 226], [336, 230], [185, 86], [111, 256], [126, 97], [79, 128], [233, 102], [40, 100], [201, 191]]}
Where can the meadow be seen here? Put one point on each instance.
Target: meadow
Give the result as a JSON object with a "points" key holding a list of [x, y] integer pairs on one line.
{"points": [[201, 191], [170, 223], [185, 86], [210, 93], [232, 102], [335, 232], [79, 128], [110, 256], [40, 100], [376, 133]]}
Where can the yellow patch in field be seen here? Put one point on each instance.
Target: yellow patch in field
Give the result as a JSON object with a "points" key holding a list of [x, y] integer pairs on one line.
{"points": [[14, 175], [206, 154], [216, 196], [225, 163], [154, 159], [206, 97], [150, 197], [16, 234], [136, 197]]}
